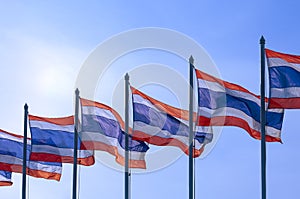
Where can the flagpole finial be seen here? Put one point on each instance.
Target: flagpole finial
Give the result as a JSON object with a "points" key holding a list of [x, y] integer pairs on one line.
{"points": [[262, 40], [77, 92], [191, 60], [26, 106], [126, 76]]}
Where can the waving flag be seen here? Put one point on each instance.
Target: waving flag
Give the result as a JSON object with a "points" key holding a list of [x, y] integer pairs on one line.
{"points": [[5, 178], [11, 158], [225, 104], [53, 141], [102, 129], [160, 124], [284, 77]]}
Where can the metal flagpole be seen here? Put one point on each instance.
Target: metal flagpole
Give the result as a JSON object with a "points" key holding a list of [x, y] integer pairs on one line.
{"points": [[263, 118], [74, 196], [191, 132], [126, 136], [24, 168]]}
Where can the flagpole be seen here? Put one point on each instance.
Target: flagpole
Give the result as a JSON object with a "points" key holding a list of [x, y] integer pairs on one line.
{"points": [[263, 118], [126, 136], [24, 153], [191, 132], [74, 196]]}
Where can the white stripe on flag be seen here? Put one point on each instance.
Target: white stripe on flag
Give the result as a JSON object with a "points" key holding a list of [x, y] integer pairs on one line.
{"points": [[275, 62], [11, 159], [44, 167], [46, 125], [98, 137], [289, 92], [206, 112], [139, 99], [91, 110], [235, 93], [60, 151]]}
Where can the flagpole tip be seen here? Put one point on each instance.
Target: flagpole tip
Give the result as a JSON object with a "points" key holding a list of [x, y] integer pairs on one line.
{"points": [[262, 40], [126, 76], [26, 106], [191, 60], [77, 92]]}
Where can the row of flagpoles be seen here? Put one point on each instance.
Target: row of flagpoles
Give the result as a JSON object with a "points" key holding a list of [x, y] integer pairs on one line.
{"points": [[101, 128]]}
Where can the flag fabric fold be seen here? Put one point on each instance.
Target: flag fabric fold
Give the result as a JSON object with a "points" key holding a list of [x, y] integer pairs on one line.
{"points": [[226, 104], [53, 141], [103, 129], [284, 78], [11, 158], [160, 124], [5, 178]]}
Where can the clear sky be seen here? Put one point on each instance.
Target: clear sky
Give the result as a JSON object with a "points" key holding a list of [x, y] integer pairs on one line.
{"points": [[43, 45]]}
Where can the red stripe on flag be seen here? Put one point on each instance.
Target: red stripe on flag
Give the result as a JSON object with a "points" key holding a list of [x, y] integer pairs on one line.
{"points": [[44, 174], [237, 122], [286, 103], [18, 136], [11, 167], [5, 183], [86, 102], [46, 157], [207, 77], [58, 121], [30, 172], [175, 112], [113, 150], [287, 57], [159, 141]]}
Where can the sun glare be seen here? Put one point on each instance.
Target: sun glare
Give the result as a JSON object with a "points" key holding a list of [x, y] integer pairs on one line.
{"points": [[53, 81]]}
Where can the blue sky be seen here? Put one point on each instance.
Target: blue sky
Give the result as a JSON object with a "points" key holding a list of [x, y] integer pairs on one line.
{"points": [[45, 43]]}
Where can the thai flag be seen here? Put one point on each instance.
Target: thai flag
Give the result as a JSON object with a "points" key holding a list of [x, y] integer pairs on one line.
{"points": [[11, 158], [5, 178], [103, 129], [53, 141], [225, 104], [284, 78], [163, 125]]}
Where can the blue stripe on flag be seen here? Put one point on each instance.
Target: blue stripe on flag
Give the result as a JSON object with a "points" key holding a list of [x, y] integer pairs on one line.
{"points": [[165, 122], [133, 145], [110, 128], [284, 77], [5, 174], [249, 107], [202, 137], [12, 148], [274, 119], [103, 125], [54, 138]]}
